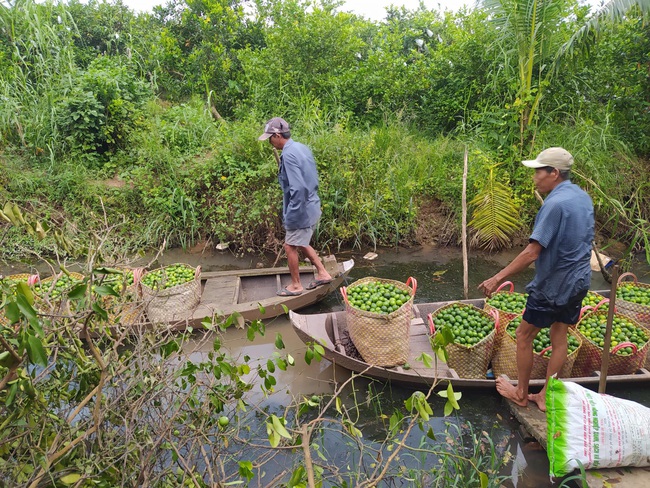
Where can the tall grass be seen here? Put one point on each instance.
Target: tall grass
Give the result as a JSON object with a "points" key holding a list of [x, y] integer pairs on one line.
{"points": [[38, 70]]}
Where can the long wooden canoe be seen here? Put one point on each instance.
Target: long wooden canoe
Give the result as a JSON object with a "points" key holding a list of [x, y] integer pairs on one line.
{"points": [[252, 293], [330, 330]]}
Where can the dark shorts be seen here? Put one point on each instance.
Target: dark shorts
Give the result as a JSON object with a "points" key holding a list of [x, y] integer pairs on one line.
{"points": [[542, 314]]}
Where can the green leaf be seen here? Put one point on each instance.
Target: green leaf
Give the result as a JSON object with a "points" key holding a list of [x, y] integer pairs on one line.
{"points": [[270, 366], [99, 311], [12, 312], [71, 478], [279, 427], [279, 343], [24, 289], [106, 290], [426, 359], [26, 309], [451, 398], [36, 351], [78, 291], [246, 469], [11, 395], [484, 479], [448, 409]]}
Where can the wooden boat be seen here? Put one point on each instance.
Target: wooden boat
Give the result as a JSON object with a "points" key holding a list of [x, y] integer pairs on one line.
{"points": [[330, 330], [252, 293]]}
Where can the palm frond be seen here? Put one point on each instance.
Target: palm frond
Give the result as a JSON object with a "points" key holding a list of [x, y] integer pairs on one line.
{"points": [[495, 216], [583, 38]]}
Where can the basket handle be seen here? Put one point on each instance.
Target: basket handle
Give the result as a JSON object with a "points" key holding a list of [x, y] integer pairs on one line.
{"points": [[585, 309], [138, 273], [495, 315], [543, 351], [621, 345], [625, 275], [414, 284], [505, 283], [197, 272], [344, 294], [432, 326]]}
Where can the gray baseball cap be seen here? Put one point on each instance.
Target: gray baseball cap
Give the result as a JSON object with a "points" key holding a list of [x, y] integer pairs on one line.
{"points": [[555, 157], [276, 125]]}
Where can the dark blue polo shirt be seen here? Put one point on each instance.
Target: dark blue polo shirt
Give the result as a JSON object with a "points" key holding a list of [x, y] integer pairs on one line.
{"points": [[564, 227]]}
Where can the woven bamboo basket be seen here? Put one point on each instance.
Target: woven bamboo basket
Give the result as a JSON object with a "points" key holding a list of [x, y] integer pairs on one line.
{"points": [[14, 278], [638, 311], [381, 339], [504, 316], [128, 308], [468, 361], [172, 304], [590, 357], [504, 361]]}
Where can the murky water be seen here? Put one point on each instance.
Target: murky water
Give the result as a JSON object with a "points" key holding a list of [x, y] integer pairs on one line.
{"points": [[439, 274]]}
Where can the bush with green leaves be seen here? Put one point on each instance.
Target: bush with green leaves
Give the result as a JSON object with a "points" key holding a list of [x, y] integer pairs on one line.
{"points": [[102, 108]]}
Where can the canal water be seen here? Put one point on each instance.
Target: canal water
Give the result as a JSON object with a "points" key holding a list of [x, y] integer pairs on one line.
{"points": [[439, 274]]}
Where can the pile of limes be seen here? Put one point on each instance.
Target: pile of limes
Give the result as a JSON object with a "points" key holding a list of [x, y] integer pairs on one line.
{"points": [[122, 282], [508, 302], [466, 322], [174, 275], [593, 327], [62, 284], [631, 292], [592, 299], [543, 339], [377, 297]]}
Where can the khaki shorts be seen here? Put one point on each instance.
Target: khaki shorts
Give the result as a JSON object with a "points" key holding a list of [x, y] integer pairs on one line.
{"points": [[299, 237]]}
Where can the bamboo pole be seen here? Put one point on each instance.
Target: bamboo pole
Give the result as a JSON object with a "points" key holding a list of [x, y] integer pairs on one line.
{"points": [[464, 230], [608, 331]]}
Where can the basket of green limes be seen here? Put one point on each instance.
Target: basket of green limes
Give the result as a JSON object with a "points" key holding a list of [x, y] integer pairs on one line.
{"points": [[504, 361], [125, 307], [378, 316], [50, 294], [628, 347], [474, 333], [508, 303], [171, 293], [593, 299], [633, 299]]}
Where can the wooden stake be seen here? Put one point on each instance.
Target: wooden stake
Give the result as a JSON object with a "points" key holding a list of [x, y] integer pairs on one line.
{"points": [[608, 331], [464, 230]]}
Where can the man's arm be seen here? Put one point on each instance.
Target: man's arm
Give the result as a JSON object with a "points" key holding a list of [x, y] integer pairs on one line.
{"points": [[524, 259]]}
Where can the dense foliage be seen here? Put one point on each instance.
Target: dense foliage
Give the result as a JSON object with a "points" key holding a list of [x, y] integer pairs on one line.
{"points": [[149, 120]]}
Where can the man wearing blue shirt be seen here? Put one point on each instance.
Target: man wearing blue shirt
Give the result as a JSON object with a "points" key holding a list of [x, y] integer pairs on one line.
{"points": [[301, 211], [560, 247]]}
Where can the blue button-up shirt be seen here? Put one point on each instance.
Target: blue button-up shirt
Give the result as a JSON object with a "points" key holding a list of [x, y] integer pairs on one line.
{"points": [[298, 179], [564, 227]]}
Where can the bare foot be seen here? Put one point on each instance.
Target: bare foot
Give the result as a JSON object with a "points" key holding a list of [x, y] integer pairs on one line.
{"points": [[323, 277], [539, 399], [509, 391]]}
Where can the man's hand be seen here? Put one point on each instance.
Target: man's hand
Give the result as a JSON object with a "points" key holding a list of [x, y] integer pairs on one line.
{"points": [[489, 286]]}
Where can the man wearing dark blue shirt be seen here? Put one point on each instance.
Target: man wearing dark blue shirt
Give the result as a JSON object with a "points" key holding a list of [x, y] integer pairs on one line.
{"points": [[301, 211], [560, 247]]}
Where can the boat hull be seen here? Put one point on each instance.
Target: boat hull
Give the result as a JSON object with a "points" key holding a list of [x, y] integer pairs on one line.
{"points": [[330, 330]]}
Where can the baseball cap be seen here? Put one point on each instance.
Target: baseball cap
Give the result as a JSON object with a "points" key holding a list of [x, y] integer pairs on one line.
{"points": [[555, 157], [276, 125]]}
